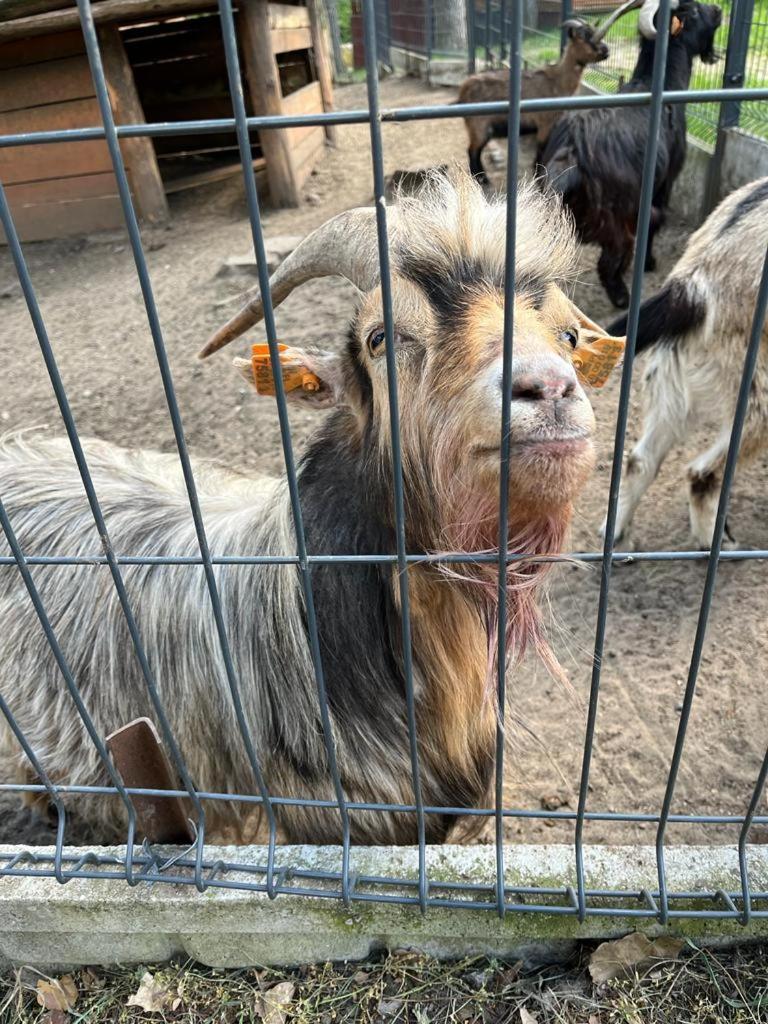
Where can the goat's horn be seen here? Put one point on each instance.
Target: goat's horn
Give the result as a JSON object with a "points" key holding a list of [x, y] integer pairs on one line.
{"points": [[628, 5], [344, 246], [648, 13], [573, 23]]}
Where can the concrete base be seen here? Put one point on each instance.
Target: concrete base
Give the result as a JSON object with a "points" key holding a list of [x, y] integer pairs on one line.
{"points": [[51, 926]]}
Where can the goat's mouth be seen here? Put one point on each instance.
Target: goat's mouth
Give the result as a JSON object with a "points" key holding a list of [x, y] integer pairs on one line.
{"points": [[547, 444]]}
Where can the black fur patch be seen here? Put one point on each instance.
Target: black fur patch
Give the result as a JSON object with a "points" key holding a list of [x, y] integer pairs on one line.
{"points": [[669, 316], [702, 485], [753, 199], [451, 291]]}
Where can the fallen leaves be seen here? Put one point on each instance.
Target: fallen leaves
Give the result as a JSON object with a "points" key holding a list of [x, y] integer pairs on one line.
{"points": [[526, 1017], [57, 994], [625, 956], [273, 1005], [152, 995]]}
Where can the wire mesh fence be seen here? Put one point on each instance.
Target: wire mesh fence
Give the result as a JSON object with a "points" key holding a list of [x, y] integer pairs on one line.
{"points": [[190, 866]]}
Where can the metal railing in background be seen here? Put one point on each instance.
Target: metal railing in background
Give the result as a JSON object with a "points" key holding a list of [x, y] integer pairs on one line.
{"points": [[191, 866]]}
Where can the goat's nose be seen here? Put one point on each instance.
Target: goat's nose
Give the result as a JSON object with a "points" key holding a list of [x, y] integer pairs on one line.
{"points": [[545, 384]]}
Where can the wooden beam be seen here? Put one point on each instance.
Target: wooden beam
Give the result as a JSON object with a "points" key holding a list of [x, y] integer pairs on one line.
{"points": [[139, 153], [288, 16], [322, 63], [266, 99], [104, 11], [286, 39]]}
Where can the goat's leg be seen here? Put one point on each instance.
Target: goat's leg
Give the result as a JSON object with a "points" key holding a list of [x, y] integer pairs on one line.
{"points": [[664, 425], [610, 268], [656, 221], [476, 164]]}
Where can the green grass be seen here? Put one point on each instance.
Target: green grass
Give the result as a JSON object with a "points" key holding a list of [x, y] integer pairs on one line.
{"points": [[541, 47]]}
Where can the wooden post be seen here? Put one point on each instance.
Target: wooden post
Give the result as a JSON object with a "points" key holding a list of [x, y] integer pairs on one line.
{"points": [[266, 98], [322, 63], [139, 153]]}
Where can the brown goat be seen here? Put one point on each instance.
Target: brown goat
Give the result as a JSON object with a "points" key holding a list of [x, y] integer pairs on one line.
{"points": [[585, 46]]}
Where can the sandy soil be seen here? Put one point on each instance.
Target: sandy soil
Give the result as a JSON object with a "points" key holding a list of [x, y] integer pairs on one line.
{"points": [[92, 307]]}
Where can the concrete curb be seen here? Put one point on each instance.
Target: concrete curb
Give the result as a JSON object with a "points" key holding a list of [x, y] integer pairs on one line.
{"points": [[49, 925]]}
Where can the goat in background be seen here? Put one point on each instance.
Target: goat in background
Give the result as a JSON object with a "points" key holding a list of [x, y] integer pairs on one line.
{"points": [[595, 157], [696, 330]]}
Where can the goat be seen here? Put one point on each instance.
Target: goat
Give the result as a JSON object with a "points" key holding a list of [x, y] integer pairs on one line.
{"points": [[696, 329], [595, 157], [448, 257], [584, 47]]}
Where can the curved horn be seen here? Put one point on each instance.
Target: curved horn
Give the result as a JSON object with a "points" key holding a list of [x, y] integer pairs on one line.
{"points": [[344, 246], [628, 5], [648, 13], [573, 23]]}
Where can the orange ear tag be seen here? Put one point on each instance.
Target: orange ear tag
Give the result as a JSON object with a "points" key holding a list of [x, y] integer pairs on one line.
{"points": [[594, 360], [295, 375]]}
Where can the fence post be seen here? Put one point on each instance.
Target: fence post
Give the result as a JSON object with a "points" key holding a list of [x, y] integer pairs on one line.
{"points": [[333, 25], [567, 12], [471, 60], [730, 110]]}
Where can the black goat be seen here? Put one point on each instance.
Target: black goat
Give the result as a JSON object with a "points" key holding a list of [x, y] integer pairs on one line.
{"points": [[595, 157]]}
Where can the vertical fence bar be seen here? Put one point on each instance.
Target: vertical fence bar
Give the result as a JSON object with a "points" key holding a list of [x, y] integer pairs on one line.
{"points": [[257, 235], [742, 14], [69, 680], [641, 244], [488, 15], [729, 471], [566, 13], [372, 82], [70, 426], [102, 96], [513, 144], [471, 55]]}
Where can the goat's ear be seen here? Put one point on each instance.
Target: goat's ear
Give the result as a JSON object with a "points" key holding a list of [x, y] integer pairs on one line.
{"points": [[310, 376], [597, 353]]}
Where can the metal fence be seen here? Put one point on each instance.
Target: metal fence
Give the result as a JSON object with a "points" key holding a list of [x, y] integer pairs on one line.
{"points": [[191, 866]]}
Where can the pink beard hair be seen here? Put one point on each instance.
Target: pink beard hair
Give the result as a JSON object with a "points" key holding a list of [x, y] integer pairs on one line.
{"points": [[477, 533]]}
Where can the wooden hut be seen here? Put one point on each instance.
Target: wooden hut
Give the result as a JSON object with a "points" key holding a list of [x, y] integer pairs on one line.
{"points": [[163, 61]]}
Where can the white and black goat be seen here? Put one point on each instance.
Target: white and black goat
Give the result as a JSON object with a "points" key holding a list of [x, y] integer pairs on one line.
{"points": [[696, 330], [595, 157], [448, 248]]}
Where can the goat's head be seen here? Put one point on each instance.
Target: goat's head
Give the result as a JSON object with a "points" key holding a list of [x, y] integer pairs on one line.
{"points": [[447, 260], [695, 24], [585, 42]]}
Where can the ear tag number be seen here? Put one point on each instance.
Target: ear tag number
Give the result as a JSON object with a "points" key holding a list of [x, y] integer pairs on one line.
{"points": [[594, 360], [295, 375]]}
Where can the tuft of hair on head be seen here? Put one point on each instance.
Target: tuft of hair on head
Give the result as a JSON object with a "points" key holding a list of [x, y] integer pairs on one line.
{"points": [[452, 217]]}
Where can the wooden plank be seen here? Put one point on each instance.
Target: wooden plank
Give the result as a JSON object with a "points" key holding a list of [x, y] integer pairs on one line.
{"points": [[138, 153], [20, 52], [60, 159], [286, 39], [308, 153], [36, 84], [307, 100], [321, 54], [211, 174], [67, 206], [264, 86], [104, 11], [288, 16]]}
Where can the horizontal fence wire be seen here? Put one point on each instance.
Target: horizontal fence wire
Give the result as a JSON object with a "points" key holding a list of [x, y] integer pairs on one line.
{"points": [[512, 32]]}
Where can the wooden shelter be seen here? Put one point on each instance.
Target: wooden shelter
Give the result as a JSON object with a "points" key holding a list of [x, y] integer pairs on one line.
{"points": [[163, 61]]}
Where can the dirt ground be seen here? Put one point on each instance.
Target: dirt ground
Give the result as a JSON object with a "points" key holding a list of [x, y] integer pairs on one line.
{"points": [[94, 313]]}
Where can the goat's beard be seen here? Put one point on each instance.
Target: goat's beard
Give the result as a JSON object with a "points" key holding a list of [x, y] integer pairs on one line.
{"points": [[475, 531]]}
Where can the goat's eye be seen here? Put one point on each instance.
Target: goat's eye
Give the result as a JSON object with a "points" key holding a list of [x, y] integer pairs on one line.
{"points": [[570, 338], [376, 341]]}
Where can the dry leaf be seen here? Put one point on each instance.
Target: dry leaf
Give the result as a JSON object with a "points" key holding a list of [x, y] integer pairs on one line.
{"points": [[151, 995], [593, 1019], [273, 1004], [91, 981], [361, 977], [176, 1003], [389, 1007], [624, 956], [56, 1017], [57, 993], [526, 1017]]}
